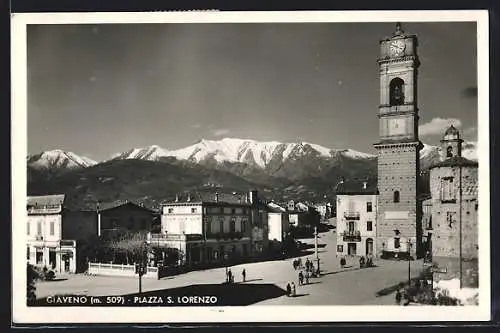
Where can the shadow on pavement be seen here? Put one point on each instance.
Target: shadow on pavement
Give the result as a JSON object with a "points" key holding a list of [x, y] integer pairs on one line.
{"points": [[194, 295], [349, 270], [394, 287], [251, 280], [300, 295]]}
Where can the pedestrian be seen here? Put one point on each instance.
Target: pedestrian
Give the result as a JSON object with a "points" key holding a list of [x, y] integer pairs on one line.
{"points": [[229, 276], [288, 289], [300, 263], [307, 277], [361, 262], [342, 262], [244, 274], [308, 264], [293, 290], [398, 297], [301, 278]]}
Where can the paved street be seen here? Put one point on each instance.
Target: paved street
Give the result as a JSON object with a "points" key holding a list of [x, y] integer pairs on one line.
{"points": [[351, 286]]}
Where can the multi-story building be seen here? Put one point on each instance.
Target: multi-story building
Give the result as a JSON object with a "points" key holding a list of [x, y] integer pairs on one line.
{"points": [[398, 228], [53, 233], [356, 218], [279, 226], [213, 228], [123, 216], [452, 225]]}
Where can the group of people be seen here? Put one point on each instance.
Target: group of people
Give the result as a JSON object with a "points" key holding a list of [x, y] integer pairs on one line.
{"points": [[290, 290], [309, 266], [363, 262], [230, 276]]}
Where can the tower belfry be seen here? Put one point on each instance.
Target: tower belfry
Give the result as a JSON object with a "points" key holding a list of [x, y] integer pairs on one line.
{"points": [[398, 147]]}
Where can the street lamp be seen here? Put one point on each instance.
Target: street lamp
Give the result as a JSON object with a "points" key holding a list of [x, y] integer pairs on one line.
{"points": [[316, 248], [409, 262]]}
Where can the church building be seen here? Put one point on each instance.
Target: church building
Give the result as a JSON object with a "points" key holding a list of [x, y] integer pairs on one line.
{"points": [[398, 229]]}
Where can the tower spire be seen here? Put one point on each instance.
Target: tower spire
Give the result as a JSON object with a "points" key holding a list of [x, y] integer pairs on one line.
{"points": [[399, 29]]}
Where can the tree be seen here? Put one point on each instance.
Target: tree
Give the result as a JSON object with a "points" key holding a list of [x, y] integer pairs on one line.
{"points": [[130, 245], [32, 275]]}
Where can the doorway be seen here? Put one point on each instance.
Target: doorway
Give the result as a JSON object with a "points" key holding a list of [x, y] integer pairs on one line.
{"points": [[369, 246], [351, 249]]}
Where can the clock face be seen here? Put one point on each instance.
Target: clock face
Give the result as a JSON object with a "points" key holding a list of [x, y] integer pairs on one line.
{"points": [[397, 47]]}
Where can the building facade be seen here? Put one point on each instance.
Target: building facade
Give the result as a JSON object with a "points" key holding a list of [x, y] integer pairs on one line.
{"points": [[54, 232], [214, 229], [453, 231], [398, 147], [356, 218], [123, 216]]}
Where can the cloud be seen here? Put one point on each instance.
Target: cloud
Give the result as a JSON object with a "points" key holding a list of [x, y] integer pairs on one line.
{"points": [[196, 126], [220, 131], [469, 92], [437, 126]]}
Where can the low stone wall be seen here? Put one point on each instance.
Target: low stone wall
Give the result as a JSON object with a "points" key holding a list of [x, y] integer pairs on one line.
{"points": [[119, 270]]}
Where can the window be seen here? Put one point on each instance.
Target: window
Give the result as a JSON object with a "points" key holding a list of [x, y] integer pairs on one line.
{"points": [[28, 252], [232, 226], [28, 228], [369, 207], [396, 243], [194, 210], [52, 228], [233, 211], [447, 189], [396, 91], [39, 228], [243, 226], [449, 151], [209, 227], [369, 226], [350, 227], [451, 219], [396, 197], [221, 227], [170, 210]]}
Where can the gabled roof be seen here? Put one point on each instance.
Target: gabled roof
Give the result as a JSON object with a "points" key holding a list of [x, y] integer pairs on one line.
{"points": [[454, 162], [103, 206], [46, 200]]}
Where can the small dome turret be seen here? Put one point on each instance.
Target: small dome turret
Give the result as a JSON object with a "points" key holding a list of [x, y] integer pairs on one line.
{"points": [[451, 133]]}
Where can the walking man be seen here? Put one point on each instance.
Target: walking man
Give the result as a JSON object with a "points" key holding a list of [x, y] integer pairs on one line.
{"points": [[307, 277], [398, 297], [244, 274], [301, 278]]}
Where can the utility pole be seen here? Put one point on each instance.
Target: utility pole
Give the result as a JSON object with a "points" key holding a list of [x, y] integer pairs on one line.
{"points": [[409, 263], [316, 247], [460, 222]]}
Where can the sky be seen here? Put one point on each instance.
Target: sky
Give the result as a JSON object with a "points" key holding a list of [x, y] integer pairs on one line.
{"points": [[97, 90]]}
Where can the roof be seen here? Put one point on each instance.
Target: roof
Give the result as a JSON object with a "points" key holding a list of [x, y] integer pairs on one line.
{"points": [[115, 204], [209, 197], [46, 200], [353, 187], [455, 161], [451, 130]]}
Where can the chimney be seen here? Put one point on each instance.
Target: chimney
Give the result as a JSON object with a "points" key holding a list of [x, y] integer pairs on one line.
{"points": [[364, 185], [177, 197], [189, 197], [216, 197]]}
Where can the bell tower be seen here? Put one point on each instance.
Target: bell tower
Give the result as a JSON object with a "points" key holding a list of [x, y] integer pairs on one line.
{"points": [[398, 219]]}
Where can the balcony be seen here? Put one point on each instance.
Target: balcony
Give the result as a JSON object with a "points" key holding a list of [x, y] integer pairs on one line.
{"points": [[351, 215], [351, 236], [49, 209]]}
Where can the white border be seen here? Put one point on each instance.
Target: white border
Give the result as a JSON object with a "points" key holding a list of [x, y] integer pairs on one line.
{"points": [[23, 314]]}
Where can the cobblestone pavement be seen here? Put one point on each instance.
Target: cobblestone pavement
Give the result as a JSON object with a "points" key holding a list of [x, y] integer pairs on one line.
{"points": [[351, 286]]}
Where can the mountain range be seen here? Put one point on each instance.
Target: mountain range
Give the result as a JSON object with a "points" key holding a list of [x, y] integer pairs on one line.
{"points": [[301, 170]]}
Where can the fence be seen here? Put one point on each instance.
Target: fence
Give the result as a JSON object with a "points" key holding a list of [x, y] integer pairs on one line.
{"points": [[120, 270]]}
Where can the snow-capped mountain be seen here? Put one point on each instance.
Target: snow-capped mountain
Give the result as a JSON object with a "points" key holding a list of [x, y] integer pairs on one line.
{"points": [[151, 153], [241, 151], [59, 159]]}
